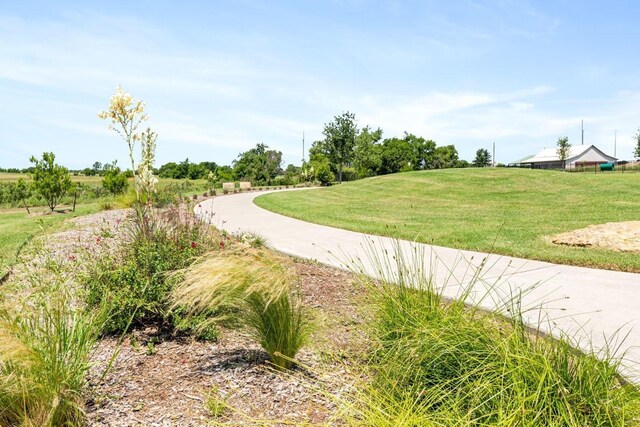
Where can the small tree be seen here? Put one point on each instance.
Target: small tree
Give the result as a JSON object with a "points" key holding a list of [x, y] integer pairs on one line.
{"points": [[21, 192], [636, 151], [563, 150], [114, 181], [340, 140], [49, 179], [483, 158]]}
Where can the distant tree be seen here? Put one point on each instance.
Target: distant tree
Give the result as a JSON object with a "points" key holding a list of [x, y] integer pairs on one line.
{"points": [[258, 165], [423, 151], [49, 179], [169, 170], [636, 151], [445, 156], [483, 158], [563, 150], [340, 140], [21, 192], [96, 168], [367, 152], [114, 181], [225, 173], [398, 155], [208, 166]]}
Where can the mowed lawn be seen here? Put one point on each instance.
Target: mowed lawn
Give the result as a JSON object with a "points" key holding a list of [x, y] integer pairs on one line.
{"points": [[506, 211]]}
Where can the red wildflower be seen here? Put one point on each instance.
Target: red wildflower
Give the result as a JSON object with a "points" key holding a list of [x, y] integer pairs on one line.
{"points": [[98, 240], [193, 245], [221, 244]]}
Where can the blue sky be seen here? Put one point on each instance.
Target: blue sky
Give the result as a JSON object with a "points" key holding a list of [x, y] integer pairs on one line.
{"points": [[219, 77]]}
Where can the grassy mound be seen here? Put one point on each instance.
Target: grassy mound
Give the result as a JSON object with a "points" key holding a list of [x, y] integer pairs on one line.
{"points": [[506, 211]]}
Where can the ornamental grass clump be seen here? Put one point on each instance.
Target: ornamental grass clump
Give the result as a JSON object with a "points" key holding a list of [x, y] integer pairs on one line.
{"points": [[256, 286], [45, 345], [450, 362]]}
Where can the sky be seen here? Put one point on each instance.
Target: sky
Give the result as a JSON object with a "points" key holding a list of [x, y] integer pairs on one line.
{"points": [[218, 77]]}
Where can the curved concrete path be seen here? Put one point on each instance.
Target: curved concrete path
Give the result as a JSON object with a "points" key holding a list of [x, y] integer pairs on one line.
{"points": [[593, 305]]}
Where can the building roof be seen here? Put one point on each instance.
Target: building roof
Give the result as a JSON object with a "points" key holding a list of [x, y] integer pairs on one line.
{"points": [[551, 154]]}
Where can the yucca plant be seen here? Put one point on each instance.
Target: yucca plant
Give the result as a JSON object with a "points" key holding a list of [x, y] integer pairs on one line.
{"points": [[256, 285]]}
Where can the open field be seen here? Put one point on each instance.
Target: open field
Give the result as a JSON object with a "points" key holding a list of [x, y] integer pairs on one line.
{"points": [[97, 180], [506, 211]]}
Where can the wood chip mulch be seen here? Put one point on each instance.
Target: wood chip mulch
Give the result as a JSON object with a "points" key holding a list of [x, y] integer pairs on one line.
{"points": [[167, 383]]}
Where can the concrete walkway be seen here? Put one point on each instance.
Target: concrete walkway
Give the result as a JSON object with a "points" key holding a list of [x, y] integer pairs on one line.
{"points": [[593, 305]]}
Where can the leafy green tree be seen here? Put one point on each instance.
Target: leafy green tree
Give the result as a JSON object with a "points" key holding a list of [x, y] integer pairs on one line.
{"points": [[423, 151], [21, 191], [340, 140], [482, 159], [445, 156], [367, 153], [114, 181], [50, 180], [258, 165], [636, 151], [97, 168], [398, 155], [225, 173], [563, 149]]}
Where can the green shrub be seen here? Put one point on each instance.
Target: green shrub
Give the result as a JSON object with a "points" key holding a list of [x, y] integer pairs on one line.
{"points": [[114, 181], [136, 283]]}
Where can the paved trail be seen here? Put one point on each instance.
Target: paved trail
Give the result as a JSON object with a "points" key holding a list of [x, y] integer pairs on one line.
{"points": [[597, 305]]}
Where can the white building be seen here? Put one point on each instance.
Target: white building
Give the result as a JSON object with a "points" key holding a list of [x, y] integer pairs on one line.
{"points": [[579, 155]]}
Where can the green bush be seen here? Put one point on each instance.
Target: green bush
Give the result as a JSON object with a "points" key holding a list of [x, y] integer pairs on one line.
{"points": [[135, 283], [323, 173], [115, 182]]}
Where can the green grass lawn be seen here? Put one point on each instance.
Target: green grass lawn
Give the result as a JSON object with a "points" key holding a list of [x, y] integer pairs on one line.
{"points": [[506, 211], [17, 228]]}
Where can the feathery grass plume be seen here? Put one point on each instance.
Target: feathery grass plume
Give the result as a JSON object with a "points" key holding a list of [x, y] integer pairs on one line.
{"points": [[258, 284], [45, 345], [451, 362]]}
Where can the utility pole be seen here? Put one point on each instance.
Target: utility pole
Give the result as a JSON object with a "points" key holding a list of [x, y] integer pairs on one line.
{"points": [[582, 126], [615, 140], [493, 158]]}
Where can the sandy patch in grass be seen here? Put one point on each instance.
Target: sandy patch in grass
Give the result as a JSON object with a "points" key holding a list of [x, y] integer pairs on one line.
{"points": [[617, 236]]}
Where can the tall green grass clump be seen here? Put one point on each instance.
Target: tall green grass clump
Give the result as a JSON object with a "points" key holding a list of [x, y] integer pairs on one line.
{"points": [[45, 345], [258, 287], [451, 363]]}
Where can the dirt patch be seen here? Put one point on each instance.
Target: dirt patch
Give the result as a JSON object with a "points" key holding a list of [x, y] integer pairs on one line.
{"points": [[616, 236]]}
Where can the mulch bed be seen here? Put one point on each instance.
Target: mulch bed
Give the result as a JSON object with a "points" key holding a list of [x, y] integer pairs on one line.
{"points": [[168, 385], [157, 379]]}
